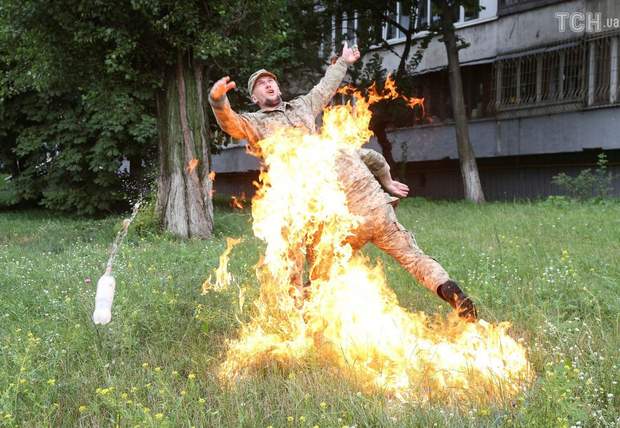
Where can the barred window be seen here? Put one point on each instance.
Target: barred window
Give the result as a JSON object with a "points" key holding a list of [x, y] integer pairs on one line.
{"points": [[509, 79], [615, 70], [600, 76], [548, 75], [527, 82], [551, 76], [573, 71], [584, 71]]}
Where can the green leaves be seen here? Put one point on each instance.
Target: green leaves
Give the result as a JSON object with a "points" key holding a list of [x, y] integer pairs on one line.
{"points": [[69, 149], [78, 80]]}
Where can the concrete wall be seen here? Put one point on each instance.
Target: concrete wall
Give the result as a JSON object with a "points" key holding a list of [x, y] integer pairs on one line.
{"points": [[558, 133], [492, 37], [234, 159]]}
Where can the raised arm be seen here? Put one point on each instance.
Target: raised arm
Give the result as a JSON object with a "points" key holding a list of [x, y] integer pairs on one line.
{"points": [[322, 93], [234, 124]]}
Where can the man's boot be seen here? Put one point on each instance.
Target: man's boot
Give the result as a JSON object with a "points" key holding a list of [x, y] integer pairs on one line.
{"points": [[452, 293]]}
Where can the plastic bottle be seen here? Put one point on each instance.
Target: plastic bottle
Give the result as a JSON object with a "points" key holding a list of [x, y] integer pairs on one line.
{"points": [[104, 298]]}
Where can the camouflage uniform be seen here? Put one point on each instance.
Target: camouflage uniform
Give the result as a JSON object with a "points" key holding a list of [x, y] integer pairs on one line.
{"points": [[357, 170]]}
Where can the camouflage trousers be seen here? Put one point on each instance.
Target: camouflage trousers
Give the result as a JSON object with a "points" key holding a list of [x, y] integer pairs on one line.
{"points": [[381, 227]]}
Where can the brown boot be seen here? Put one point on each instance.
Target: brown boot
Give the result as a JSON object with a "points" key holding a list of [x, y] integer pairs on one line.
{"points": [[452, 293]]}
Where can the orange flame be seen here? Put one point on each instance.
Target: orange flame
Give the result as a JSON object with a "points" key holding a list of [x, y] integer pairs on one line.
{"points": [[389, 92], [237, 203], [191, 165], [222, 277], [351, 319]]}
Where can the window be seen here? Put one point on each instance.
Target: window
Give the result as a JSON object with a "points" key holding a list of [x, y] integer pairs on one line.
{"points": [[423, 11], [435, 14], [426, 12], [390, 30], [349, 27], [549, 75], [528, 75], [509, 80], [573, 72], [403, 18], [615, 70], [346, 24], [600, 72], [473, 11]]}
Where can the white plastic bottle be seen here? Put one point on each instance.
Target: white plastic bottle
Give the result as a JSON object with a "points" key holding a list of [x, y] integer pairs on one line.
{"points": [[104, 298]]}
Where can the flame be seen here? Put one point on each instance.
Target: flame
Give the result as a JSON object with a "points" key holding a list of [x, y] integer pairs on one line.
{"points": [[222, 277], [389, 92], [238, 202], [191, 165], [351, 320], [212, 175]]}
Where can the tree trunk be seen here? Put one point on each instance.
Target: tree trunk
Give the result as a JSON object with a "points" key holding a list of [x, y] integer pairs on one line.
{"points": [[467, 158], [184, 191]]}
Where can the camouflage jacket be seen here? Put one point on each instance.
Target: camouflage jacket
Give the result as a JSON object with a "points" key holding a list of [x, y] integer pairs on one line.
{"points": [[355, 167]]}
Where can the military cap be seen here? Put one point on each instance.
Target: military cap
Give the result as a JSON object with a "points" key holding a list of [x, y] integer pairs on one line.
{"points": [[254, 77]]}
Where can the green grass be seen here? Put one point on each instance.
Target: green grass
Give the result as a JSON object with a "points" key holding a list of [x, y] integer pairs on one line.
{"points": [[552, 270]]}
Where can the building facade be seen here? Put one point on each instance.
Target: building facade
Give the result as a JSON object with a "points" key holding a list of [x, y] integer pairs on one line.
{"points": [[542, 91]]}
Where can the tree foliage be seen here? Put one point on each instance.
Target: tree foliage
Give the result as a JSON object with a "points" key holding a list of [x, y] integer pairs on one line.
{"points": [[79, 78]]}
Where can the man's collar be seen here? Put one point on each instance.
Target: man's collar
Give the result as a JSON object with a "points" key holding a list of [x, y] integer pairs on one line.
{"points": [[280, 107]]}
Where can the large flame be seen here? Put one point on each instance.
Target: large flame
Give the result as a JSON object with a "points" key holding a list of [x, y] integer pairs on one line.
{"points": [[351, 319]]}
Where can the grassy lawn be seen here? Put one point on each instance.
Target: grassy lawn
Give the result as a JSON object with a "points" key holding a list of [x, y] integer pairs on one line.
{"points": [[553, 271]]}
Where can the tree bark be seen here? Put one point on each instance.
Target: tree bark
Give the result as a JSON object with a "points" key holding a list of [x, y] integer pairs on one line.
{"points": [[184, 204], [467, 158]]}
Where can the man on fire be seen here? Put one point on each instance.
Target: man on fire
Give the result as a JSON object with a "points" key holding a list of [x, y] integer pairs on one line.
{"points": [[364, 174]]}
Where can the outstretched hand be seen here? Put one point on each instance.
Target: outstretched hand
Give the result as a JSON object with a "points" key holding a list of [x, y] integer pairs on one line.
{"points": [[221, 87], [350, 55], [396, 188]]}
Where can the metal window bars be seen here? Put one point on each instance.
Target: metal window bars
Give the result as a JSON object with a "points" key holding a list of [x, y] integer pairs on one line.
{"points": [[584, 71]]}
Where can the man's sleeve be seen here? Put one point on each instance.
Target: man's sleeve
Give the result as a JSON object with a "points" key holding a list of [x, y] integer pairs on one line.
{"points": [[375, 162], [236, 125], [323, 92]]}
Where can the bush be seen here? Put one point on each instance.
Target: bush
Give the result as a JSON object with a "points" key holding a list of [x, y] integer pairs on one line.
{"points": [[146, 222], [588, 184]]}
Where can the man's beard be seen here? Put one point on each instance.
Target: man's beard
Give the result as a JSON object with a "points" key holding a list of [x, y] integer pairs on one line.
{"points": [[273, 102]]}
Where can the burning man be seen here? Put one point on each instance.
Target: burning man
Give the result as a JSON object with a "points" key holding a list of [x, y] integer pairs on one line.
{"points": [[365, 175]]}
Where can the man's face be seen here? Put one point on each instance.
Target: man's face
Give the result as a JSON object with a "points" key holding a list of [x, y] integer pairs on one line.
{"points": [[266, 92]]}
